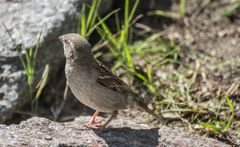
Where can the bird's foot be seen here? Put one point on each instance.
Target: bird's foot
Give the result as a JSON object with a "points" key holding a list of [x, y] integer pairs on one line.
{"points": [[92, 122]]}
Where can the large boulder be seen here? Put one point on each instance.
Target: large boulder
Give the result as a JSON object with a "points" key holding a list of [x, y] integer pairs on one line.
{"points": [[43, 132], [24, 20]]}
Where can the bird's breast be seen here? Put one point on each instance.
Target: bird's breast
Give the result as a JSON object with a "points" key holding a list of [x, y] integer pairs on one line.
{"points": [[82, 82], [79, 83]]}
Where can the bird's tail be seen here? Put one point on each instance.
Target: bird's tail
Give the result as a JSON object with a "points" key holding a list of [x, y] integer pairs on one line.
{"points": [[142, 106]]}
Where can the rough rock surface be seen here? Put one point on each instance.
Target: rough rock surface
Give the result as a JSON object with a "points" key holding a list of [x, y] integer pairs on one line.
{"points": [[43, 132], [24, 19]]}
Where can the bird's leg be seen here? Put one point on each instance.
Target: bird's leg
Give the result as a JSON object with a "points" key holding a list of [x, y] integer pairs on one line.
{"points": [[92, 121], [114, 114]]}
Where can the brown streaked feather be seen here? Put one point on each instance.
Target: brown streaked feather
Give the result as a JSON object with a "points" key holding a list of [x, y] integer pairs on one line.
{"points": [[107, 79]]}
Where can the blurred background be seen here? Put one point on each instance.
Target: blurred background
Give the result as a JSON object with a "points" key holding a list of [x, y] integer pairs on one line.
{"points": [[181, 56]]}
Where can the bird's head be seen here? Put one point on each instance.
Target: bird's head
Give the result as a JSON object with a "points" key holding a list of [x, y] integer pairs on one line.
{"points": [[75, 46]]}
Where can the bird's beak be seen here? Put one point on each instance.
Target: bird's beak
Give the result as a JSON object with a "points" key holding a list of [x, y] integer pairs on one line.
{"points": [[61, 38]]}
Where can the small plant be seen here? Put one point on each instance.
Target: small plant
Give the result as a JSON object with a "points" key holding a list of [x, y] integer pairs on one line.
{"points": [[40, 86], [28, 62], [221, 126], [124, 50], [119, 43], [231, 8], [87, 22]]}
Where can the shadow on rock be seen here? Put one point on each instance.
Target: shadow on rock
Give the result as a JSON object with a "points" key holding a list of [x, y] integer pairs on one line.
{"points": [[130, 137]]}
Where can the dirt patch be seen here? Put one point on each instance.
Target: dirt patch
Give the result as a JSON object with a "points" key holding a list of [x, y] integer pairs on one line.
{"points": [[209, 65]]}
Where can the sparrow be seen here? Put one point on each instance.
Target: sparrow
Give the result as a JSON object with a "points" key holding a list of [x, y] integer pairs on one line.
{"points": [[94, 84]]}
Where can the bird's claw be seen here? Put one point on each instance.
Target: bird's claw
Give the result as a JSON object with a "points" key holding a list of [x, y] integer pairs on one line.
{"points": [[94, 122]]}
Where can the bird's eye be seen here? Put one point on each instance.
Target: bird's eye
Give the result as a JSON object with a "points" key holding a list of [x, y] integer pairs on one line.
{"points": [[66, 41]]}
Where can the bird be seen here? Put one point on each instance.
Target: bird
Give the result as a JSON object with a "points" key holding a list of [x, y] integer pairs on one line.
{"points": [[94, 84]]}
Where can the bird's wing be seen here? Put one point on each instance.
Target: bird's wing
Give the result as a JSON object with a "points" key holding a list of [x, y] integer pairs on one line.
{"points": [[107, 79]]}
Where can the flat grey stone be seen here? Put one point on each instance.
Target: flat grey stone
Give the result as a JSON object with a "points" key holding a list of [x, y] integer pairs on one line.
{"points": [[43, 132]]}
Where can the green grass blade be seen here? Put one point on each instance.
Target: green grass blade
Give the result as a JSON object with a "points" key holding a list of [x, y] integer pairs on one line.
{"points": [[37, 47], [128, 56], [101, 21], [229, 10], [40, 86], [93, 21], [209, 126], [230, 105], [9, 34], [126, 22], [117, 21], [118, 63], [149, 72], [23, 63], [163, 13], [31, 53], [92, 12], [83, 21], [182, 7], [109, 34], [146, 82], [79, 28], [14, 43], [28, 62], [133, 10], [104, 36], [122, 39]]}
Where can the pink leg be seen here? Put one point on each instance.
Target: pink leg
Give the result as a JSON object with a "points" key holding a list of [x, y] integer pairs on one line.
{"points": [[92, 121], [114, 114]]}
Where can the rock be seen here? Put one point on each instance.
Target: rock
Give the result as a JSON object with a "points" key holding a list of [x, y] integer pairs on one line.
{"points": [[24, 19], [43, 132]]}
